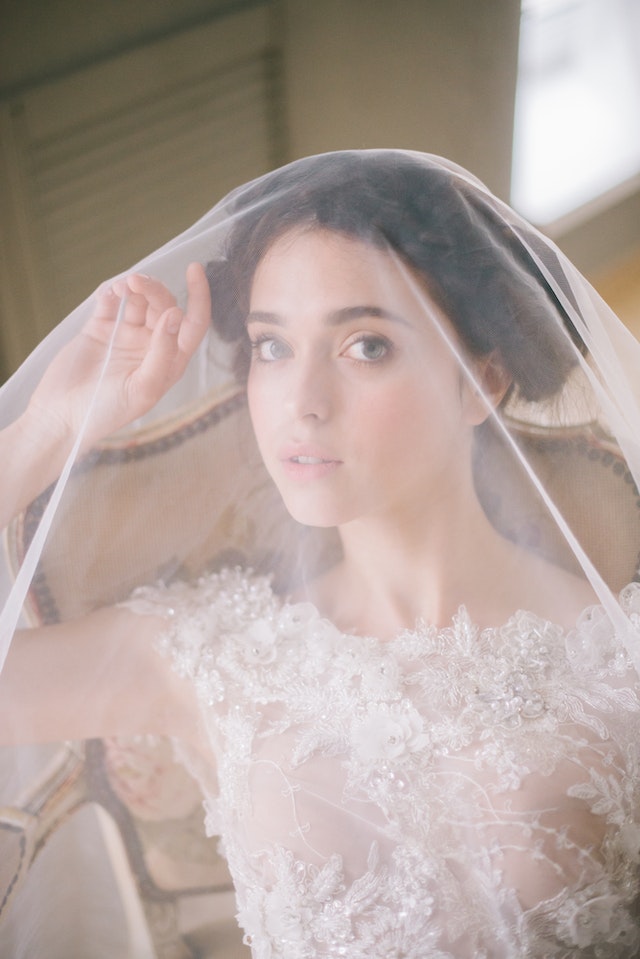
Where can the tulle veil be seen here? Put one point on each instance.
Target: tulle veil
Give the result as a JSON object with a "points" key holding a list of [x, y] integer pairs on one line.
{"points": [[557, 463]]}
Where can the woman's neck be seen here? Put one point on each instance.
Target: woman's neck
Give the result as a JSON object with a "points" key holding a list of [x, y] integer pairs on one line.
{"points": [[393, 575], [423, 565]]}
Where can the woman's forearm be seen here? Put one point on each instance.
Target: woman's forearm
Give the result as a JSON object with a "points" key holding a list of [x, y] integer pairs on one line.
{"points": [[32, 455], [91, 677]]}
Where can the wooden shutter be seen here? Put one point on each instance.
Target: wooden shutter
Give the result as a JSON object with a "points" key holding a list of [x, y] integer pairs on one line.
{"points": [[103, 166]]}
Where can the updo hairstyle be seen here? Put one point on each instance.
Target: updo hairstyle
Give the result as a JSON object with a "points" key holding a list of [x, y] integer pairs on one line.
{"points": [[444, 227]]}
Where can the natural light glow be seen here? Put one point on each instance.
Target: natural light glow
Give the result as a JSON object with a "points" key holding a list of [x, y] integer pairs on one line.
{"points": [[577, 122]]}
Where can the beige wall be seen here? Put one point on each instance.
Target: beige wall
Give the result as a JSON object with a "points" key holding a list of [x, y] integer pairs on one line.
{"points": [[43, 39], [433, 75]]}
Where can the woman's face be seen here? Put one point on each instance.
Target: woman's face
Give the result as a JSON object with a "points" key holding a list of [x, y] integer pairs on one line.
{"points": [[358, 403]]}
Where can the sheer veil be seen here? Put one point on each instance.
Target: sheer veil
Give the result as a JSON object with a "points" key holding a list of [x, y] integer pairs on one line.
{"points": [[556, 450], [489, 248]]}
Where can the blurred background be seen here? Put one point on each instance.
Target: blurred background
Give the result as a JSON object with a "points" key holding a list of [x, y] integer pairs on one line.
{"points": [[122, 121]]}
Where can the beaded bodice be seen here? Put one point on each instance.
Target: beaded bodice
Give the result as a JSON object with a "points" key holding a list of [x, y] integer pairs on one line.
{"points": [[451, 793]]}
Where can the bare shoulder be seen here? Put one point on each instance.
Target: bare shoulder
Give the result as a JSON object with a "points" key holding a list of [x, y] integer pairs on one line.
{"points": [[556, 594]]}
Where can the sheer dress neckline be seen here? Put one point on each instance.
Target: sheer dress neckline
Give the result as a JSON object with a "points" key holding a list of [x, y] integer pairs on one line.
{"points": [[462, 623], [458, 793]]}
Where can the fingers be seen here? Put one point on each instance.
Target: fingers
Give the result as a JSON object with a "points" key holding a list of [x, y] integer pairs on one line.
{"points": [[155, 293], [191, 326], [155, 340], [163, 362], [107, 303], [147, 299], [105, 312], [176, 336], [198, 315]]}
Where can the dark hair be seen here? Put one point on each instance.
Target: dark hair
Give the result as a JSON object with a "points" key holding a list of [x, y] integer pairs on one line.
{"points": [[445, 228]]}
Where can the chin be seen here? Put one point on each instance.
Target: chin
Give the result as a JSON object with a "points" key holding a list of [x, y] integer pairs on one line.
{"points": [[314, 512], [317, 519]]}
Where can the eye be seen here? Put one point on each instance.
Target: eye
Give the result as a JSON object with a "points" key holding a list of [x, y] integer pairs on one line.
{"points": [[268, 349], [369, 348]]}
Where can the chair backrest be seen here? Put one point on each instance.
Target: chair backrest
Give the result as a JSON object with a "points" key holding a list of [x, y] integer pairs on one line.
{"points": [[587, 478], [154, 802]]}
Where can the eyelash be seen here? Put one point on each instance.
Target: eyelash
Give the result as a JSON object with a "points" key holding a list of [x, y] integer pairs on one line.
{"points": [[375, 339], [258, 342], [365, 339]]}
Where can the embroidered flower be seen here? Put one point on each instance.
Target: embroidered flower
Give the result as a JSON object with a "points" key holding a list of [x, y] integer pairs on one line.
{"points": [[272, 919], [630, 599], [285, 921], [295, 617], [599, 919], [380, 677], [629, 839], [249, 917], [260, 643], [591, 645], [388, 732], [511, 699]]}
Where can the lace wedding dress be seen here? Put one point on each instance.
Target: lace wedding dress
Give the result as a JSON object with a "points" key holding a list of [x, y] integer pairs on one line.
{"points": [[451, 793]]}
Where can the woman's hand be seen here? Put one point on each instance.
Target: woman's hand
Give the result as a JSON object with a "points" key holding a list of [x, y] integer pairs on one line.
{"points": [[149, 352], [142, 357]]}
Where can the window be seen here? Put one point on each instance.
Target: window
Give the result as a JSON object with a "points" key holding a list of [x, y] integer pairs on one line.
{"points": [[577, 121]]}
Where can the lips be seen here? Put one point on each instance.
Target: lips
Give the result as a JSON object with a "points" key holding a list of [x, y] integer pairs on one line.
{"points": [[307, 463], [308, 460]]}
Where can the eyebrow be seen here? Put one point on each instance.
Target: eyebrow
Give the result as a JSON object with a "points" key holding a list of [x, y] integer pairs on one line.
{"points": [[335, 318]]}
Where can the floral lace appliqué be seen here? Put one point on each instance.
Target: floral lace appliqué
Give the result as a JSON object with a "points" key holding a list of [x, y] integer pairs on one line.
{"points": [[450, 794]]}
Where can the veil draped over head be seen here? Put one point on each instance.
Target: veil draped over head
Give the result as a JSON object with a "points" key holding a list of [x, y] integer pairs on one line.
{"points": [[184, 490], [556, 464]]}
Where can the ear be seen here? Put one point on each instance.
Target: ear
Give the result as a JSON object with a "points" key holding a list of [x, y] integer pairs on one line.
{"points": [[492, 381]]}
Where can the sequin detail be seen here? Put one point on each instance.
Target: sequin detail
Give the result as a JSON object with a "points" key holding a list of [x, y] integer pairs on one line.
{"points": [[451, 794]]}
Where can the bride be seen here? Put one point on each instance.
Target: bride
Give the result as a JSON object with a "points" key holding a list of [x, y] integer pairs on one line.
{"points": [[415, 718]]}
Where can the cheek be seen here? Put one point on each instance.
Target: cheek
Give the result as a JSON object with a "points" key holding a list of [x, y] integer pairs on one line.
{"points": [[383, 421], [408, 424], [259, 403], [267, 404]]}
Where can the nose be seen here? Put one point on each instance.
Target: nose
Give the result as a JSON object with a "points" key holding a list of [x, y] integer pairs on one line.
{"points": [[309, 391]]}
